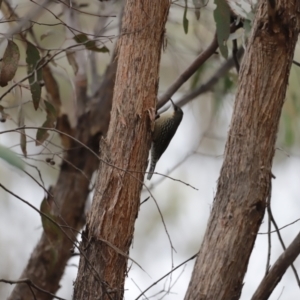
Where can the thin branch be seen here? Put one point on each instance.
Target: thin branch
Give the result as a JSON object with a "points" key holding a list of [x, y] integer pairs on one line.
{"points": [[199, 61], [186, 157], [285, 226], [89, 149], [296, 63], [139, 288], [174, 179], [58, 225], [269, 232], [120, 252], [85, 12], [40, 66], [203, 88], [160, 279], [33, 13], [30, 285], [275, 274], [51, 220], [105, 162], [39, 184], [282, 242], [38, 171]]}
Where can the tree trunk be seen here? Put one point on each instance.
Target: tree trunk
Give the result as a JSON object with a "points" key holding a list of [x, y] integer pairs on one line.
{"points": [[245, 177], [70, 192], [124, 153]]}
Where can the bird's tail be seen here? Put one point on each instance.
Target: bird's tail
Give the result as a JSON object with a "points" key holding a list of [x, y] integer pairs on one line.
{"points": [[151, 170]]}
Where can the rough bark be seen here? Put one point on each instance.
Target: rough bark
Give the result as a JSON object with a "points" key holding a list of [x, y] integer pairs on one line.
{"points": [[102, 269], [244, 181], [70, 193]]}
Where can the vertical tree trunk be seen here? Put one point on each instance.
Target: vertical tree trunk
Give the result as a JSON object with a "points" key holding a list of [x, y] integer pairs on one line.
{"points": [[244, 182], [110, 225], [47, 263]]}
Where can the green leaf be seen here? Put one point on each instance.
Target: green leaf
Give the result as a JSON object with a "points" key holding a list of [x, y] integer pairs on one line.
{"points": [[222, 19], [89, 44], [10, 63], [185, 20], [21, 123], [42, 134], [33, 59], [11, 158]]}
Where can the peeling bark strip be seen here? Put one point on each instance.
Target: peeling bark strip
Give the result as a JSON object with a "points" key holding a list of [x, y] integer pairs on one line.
{"points": [[101, 273], [244, 181]]}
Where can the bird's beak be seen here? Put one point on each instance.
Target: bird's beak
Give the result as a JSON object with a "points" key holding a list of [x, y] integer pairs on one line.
{"points": [[172, 103]]}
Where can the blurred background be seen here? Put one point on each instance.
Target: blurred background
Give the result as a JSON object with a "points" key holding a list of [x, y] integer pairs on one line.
{"points": [[194, 157]]}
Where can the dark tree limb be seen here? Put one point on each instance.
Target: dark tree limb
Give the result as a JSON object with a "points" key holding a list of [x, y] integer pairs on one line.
{"points": [[199, 61], [272, 219], [72, 188], [31, 285], [276, 272], [208, 86], [195, 65], [244, 182], [117, 195]]}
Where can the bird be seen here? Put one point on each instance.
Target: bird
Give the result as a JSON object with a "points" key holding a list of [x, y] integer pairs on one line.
{"points": [[165, 127]]}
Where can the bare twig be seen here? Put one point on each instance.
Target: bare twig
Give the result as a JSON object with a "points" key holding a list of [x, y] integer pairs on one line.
{"points": [[203, 88], [282, 242], [174, 179], [67, 3], [39, 184], [26, 19], [160, 279], [89, 149], [199, 61], [202, 57], [39, 67], [31, 285], [285, 226], [296, 63], [96, 274], [275, 274], [269, 232]]}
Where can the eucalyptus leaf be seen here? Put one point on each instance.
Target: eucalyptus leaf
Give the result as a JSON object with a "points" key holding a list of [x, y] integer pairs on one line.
{"points": [[185, 19], [11, 157], [222, 19], [33, 59]]}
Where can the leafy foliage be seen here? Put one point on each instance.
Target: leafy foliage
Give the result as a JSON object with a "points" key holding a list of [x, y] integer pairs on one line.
{"points": [[89, 45], [185, 20], [222, 19], [33, 60]]}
